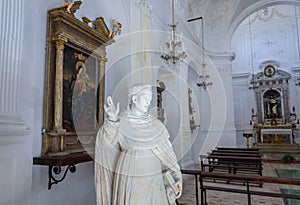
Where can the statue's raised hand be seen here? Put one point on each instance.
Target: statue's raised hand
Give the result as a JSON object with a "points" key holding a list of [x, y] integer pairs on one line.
{"points": [[111, 110]]}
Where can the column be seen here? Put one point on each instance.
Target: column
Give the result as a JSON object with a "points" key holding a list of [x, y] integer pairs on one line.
{"points": [[58, 95], [140, 42], [101, 61]]}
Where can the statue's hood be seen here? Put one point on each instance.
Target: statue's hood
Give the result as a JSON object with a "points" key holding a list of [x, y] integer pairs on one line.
{"points": [[140, 132]]}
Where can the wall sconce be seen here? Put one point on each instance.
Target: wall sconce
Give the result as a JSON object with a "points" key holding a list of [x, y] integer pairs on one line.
{"points": [[192, 124]]}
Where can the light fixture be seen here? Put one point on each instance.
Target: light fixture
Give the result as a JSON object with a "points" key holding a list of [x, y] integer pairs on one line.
{"points": [[174, 51], [203, 76], [253, 84]]}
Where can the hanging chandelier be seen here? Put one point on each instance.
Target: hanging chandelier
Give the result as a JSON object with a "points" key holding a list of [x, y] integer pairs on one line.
{"points": [[173, 52], [253, 84], [203, 77]]}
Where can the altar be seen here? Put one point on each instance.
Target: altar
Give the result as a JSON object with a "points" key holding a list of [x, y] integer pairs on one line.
{"points": [[276, 136]]}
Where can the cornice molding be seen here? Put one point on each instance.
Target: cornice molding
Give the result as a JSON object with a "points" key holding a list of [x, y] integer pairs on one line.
{"points": [[221, 55], [11, 125]]}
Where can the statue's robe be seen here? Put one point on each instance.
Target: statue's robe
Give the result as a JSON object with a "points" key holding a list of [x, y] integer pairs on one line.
{"points": [[131, 158]]}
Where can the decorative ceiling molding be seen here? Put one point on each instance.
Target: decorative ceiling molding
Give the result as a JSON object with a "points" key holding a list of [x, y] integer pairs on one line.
{"points": [[219, 11], [251, 7], [267, 14]]}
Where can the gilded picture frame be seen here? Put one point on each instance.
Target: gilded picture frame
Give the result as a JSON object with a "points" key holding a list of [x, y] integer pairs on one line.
{"points": [[74, 82]]}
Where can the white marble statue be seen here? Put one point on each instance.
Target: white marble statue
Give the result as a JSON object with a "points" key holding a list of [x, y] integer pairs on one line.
{"points": [[134, 159]]}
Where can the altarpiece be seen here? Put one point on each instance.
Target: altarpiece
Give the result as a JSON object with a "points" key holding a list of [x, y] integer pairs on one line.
{"points": [[272, 121]]}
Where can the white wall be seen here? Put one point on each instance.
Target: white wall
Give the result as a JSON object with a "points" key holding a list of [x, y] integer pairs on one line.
{"points": [[78, 187], [244, 101]]}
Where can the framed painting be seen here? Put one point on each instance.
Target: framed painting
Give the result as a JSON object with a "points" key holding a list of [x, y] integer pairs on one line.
{"points": [[74, 82]]}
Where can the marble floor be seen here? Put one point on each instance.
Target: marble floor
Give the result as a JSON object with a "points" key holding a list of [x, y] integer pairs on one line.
{"points": [[225, 198]]}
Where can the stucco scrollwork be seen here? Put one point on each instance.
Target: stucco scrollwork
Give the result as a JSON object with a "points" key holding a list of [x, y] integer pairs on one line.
{"points": [[219, 11], [267, 14]]}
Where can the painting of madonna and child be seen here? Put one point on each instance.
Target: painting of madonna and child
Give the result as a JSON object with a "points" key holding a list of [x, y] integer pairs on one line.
{"points": [[79, 91]]}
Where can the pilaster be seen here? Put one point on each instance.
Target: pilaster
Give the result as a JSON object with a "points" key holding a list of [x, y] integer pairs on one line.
{"points": [[217, 112], [15, 151], [185, 134]]}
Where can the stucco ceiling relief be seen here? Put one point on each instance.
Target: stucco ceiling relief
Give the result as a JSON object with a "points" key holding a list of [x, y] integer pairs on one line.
{"points": [[267, 14], [219, 11]]}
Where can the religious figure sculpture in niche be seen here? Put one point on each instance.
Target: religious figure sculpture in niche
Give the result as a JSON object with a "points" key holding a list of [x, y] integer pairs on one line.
{"points": [[273, 108], [134, 160]]}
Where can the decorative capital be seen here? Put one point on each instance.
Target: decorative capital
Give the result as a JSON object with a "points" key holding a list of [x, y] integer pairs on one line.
{"points": [[102, 59], [60, 41]]}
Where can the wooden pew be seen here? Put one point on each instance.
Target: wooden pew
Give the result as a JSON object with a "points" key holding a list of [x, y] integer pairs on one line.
{"points": [[246, 179], [233, 164], [234, 161], [241, 154], [237, 148]]}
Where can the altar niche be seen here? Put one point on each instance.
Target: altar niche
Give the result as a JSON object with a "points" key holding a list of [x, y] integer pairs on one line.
{"points": [[272, 109]]}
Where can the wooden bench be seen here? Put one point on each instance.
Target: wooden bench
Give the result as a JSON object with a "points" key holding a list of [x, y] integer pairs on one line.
{"points": [[237, 149], [233, 163], [246, 179], [238, 154]]}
